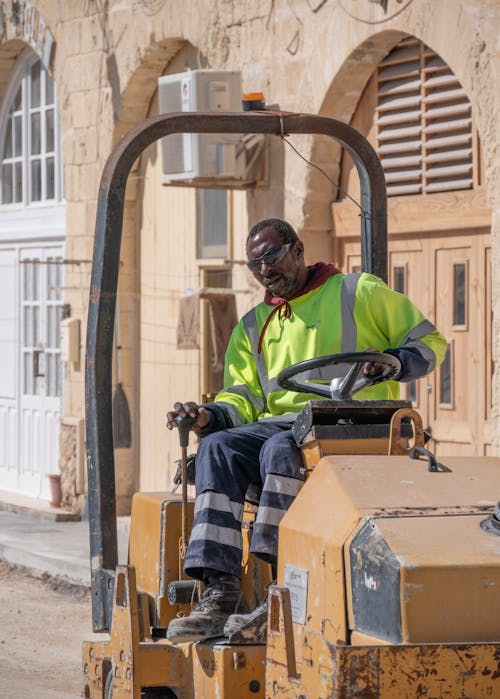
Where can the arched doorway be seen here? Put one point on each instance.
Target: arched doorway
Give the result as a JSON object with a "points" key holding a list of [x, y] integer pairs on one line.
{"points": [[32, 225], [417, 115]]}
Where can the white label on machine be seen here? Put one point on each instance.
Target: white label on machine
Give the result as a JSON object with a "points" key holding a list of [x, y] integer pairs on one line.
{"points": [[296, 582]]}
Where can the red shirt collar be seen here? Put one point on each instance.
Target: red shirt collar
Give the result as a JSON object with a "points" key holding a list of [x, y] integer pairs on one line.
{"points": [[318, 274]]}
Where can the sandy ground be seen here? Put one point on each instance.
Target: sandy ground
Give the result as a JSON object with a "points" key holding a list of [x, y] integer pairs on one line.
{"points": [[42, 625]]}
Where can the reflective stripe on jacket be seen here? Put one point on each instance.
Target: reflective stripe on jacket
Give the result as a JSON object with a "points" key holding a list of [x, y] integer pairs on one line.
{"points": [[348, 313]]}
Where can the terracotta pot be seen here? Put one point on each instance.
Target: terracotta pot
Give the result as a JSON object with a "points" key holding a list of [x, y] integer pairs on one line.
{"points": [[55, 489]]}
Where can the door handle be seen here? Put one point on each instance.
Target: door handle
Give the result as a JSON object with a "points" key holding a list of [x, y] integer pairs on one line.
{"points": [[36, 363]]}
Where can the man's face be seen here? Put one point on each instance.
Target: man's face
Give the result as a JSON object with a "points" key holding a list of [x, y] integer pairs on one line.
{"points": [[284, 277]]}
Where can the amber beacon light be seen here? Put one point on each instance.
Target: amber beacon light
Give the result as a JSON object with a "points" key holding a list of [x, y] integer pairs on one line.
{"points": [[253, 100]]}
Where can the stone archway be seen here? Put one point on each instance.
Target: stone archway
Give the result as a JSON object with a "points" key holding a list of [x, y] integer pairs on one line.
{"points": [[340, 102], [9, 52], [142, 84], [474, 67], [135, 105]]}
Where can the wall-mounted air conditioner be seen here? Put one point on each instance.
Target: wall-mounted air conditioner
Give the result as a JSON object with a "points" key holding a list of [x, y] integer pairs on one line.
{"points": [[206, 159]]}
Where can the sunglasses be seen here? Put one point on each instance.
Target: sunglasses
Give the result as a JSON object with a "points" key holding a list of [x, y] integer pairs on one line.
{"points": [[270, 258]]}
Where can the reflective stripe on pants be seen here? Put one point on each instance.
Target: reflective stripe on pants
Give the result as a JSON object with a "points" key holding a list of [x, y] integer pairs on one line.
{"points": [[227, 462]]}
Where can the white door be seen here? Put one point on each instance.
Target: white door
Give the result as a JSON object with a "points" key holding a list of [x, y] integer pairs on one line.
{"points": [[9, 361], [32, 230], [40, 367], [30, 367]]}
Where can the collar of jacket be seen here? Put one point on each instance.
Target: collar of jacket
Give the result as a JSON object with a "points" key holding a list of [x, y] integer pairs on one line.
{"points": [[318, 274]]}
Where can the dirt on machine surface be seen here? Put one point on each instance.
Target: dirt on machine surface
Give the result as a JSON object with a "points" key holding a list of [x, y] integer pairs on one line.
{"points": [[43, 622]]}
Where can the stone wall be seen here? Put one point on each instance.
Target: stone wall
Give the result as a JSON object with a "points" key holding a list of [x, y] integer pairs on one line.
{"points": [[71, 464]]}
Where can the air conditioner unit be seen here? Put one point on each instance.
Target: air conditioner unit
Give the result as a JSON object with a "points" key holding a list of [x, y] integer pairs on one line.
{"points": [[205, 159]]}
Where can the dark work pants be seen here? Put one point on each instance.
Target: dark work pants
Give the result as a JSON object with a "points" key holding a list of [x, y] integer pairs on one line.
{"points": [[227, 462]]}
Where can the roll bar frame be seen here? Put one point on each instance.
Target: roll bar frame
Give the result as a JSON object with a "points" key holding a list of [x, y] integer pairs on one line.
{"points": [[104, 281]]}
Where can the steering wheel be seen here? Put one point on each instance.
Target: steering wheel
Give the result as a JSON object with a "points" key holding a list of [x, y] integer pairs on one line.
{"points": [[344, 387]]}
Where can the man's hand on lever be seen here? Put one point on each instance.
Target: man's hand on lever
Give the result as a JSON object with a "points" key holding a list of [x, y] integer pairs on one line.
{"points": [[189, 409]]}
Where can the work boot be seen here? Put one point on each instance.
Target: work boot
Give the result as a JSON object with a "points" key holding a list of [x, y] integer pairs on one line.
{"points": [[221, 597], [248, 628]]}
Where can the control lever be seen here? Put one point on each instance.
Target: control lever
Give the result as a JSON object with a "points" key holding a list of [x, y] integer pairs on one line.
{"points": [[184, 425]]}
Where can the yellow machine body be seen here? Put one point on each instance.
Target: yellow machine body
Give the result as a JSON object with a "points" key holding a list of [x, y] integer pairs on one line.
{"points": [[388, 587], [135, 653], [418, 585], [390, 579], [133, 660], [154, 552], [154, 546]]}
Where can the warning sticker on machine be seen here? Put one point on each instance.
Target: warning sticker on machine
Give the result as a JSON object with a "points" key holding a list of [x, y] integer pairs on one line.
{"points": [[296, 582]]}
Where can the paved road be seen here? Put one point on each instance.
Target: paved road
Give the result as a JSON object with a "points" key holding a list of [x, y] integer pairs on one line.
{"points": [[57, 549], [42, 625], [45, 609]]}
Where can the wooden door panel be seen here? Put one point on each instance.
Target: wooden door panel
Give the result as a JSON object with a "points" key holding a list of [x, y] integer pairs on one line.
{"points": [[453, 397], [407, 260], [449, 278], [484, 341]]}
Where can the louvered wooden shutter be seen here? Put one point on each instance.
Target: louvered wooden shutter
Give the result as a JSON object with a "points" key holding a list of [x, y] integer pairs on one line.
{"points": [[424, 124]]}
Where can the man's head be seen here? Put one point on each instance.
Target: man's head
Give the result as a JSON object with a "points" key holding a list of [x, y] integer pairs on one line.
{"points": [[276, 257]]}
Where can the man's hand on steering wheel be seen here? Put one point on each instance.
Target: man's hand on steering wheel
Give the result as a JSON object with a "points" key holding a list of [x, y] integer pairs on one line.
{"points": [[362, 373], [373, 369]]}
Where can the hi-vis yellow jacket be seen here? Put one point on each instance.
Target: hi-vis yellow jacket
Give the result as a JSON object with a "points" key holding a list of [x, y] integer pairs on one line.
{"points": [[347, 313]]}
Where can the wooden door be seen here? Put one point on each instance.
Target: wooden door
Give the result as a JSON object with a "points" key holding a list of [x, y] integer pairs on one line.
{"points": [[462, 395], [449, 278]]}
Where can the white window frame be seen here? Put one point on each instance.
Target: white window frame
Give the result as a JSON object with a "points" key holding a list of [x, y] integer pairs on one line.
{"points": [[21, 78]]}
